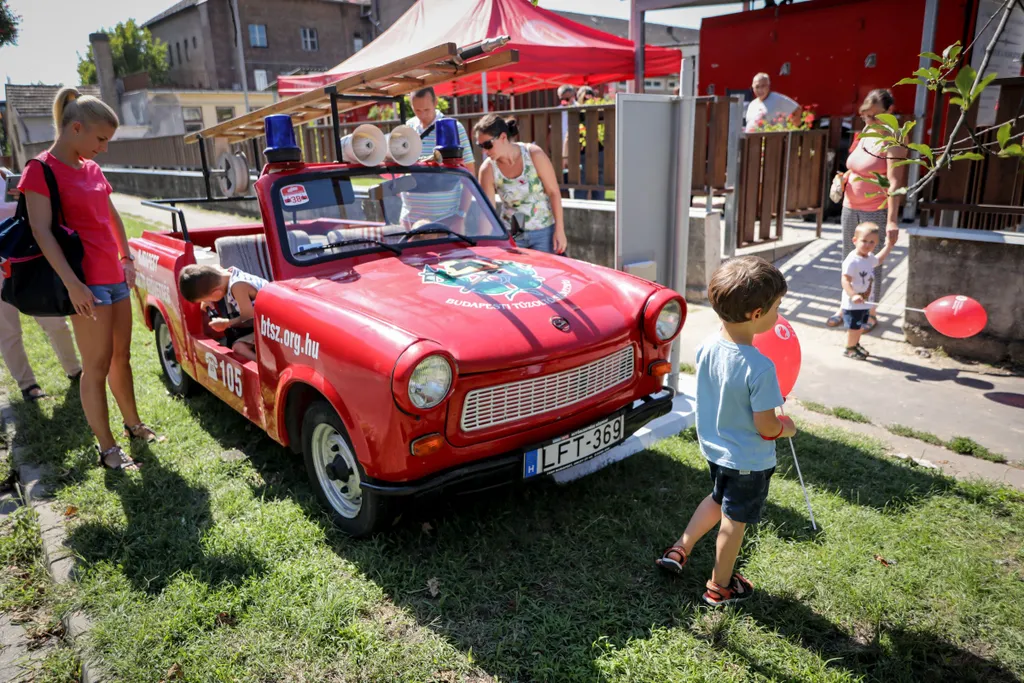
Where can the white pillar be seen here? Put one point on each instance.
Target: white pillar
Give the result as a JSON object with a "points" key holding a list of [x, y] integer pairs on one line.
{"points": [[483, 90], [931, 13]]}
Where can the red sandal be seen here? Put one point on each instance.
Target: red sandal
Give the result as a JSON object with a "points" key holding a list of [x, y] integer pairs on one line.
{"points": [[739, 589], [671, 565]]}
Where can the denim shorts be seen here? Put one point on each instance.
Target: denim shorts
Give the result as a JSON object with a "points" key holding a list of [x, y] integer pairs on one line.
{"points": [[740, 493], [855, 319], [110, 294], [540, 240]]}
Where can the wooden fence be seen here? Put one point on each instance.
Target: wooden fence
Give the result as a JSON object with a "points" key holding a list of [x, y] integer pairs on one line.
{"points": [[781, 174], [986, 194]]}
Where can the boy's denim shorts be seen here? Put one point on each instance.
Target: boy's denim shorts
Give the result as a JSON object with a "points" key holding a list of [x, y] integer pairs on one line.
{"points": [[740, 493], [855, 319]]}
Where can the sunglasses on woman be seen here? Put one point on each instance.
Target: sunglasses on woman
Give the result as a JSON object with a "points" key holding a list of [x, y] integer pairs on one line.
{"points": [[486, 144]]}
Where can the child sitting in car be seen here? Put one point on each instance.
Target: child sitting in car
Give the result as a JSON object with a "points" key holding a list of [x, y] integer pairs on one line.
{"points": [[208, 285]]}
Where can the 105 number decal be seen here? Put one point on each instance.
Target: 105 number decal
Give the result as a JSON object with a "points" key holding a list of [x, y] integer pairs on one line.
{"points": [[229, 375]]}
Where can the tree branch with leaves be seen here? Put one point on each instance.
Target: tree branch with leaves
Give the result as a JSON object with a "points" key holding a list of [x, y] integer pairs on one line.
{"points": [[966, 89]]}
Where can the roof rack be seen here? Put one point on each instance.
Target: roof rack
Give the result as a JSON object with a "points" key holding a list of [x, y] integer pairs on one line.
{"points": [[387, 83]]}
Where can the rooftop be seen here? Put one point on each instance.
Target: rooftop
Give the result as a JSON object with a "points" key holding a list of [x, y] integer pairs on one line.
{"points": [[37, 100], [654, 34]]}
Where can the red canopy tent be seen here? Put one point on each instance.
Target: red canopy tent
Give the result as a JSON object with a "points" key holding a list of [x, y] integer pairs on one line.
{"points": [[552, 49]]}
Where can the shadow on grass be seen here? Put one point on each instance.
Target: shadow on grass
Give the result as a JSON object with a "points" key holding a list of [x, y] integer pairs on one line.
{"points": [[529, 578], [880, 654], [166, 520]]}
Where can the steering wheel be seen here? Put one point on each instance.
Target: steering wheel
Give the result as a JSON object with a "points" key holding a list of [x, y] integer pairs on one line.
{"points": [[425, 229]]}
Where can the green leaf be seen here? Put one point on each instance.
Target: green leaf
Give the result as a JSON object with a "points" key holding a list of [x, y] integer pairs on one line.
{"points": [[909, 81], [924, 73], [871, 134], [965, 79], [907, 127], [957, 100], [931, 55], [923, 150], [1013, 150], [983, 84], [889, 121], [899, 191], [907, 162], [883, 180], [1003, 134], [952, 52], [972, 156]]}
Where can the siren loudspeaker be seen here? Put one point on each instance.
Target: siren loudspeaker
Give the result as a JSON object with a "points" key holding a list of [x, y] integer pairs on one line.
{"points": [[366, 145], [233, 170], [404, 146]]}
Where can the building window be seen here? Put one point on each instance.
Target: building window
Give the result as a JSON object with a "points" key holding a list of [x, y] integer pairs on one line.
{"points": [[258, 35], [225, 114], [310, 43], [195, 43], [259, 79], [170, 56], [178, 48], [187, 58], [357, 42], [193, 117]]}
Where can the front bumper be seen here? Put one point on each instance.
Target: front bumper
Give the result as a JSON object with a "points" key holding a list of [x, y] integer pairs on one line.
{"points": [[507, 468]]}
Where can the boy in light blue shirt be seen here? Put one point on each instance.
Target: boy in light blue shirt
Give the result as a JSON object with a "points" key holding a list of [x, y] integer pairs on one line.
{"points": [[737, 395]]}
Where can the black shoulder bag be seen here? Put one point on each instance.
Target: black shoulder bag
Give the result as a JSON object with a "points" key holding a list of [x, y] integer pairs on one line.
{"points": [[34, 287]]}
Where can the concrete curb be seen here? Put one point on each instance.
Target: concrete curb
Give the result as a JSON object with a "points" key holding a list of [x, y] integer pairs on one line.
{"points": [[59, 557]]}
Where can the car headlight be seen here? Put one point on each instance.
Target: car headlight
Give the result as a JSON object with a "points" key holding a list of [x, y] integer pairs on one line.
{"points": [[669, 319], [430, 382]]}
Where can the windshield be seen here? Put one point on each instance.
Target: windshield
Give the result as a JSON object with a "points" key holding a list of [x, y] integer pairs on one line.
{"points": [[327, 216]]}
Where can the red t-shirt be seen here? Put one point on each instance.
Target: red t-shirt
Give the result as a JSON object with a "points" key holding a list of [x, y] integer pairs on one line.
{"points": [[84, 198]]}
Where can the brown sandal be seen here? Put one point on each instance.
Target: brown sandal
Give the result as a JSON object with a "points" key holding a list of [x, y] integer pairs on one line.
{"points": [[671, 565], [124, 462], [739, 589], [144, 432]]}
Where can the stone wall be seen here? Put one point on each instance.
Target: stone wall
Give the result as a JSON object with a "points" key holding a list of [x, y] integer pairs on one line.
{"points": [[986, 266]]}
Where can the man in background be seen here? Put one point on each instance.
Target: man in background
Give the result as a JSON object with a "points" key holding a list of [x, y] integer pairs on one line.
{"points": [[424, 105], [767, 105]]}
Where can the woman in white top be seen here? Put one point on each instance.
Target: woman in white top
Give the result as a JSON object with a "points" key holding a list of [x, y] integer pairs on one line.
{"points": [[522, 175]]}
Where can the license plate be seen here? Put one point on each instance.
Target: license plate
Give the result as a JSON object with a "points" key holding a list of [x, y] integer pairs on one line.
{"points": [[572, 448]]}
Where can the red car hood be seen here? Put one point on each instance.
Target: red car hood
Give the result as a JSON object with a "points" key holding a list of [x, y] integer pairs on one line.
{"points": [[491, 307]]}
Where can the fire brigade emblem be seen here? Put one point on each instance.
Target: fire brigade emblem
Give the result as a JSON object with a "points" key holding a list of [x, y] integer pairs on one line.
{"points": [[483, 277]]}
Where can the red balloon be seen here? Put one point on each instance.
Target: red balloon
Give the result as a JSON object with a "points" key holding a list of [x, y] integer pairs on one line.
{"points": [[782, 347], [956, 316]]}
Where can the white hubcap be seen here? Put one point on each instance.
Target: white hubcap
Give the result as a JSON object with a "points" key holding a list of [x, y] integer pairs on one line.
{"points": [[167, 357], [336, 471]]}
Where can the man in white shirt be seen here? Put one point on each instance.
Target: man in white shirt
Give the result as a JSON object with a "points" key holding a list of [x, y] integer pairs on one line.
{"points": [[767, 105], [424, 105]]}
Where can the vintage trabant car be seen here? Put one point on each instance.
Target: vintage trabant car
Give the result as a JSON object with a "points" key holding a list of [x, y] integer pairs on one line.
{"points": [[403, 355]]}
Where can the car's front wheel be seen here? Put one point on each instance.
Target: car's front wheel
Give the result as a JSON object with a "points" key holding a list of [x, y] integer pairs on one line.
{"points": [[177, 379], [336, 475]]}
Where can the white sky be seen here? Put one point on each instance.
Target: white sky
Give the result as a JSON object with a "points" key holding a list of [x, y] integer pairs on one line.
{"points": [[53, 32]]}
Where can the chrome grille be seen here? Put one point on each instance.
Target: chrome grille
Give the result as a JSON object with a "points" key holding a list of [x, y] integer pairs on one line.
{"points": [[505, 403]]}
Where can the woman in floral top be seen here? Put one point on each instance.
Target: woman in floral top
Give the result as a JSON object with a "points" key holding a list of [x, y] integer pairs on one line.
{"points": [[522, 175]]}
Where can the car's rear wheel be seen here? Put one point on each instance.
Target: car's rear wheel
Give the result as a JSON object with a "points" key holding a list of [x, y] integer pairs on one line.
{"points": [[336, 475], [177, 379]]}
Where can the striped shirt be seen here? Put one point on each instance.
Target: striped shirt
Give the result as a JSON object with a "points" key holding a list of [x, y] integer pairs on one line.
{"points": [[431, 139]]}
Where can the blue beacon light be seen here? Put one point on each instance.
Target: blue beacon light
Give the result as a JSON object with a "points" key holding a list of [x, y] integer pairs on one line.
{"points": [[281, 145], [447, 139]]}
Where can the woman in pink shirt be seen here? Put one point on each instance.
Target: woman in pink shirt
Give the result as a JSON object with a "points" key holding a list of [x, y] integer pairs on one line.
{"points": [[103, 324], [866, 159]]}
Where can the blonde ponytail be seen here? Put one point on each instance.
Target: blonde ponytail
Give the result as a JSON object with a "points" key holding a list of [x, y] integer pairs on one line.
{"points": [[70, 106]]}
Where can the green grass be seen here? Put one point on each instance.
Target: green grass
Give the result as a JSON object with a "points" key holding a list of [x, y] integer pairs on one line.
{"points": [[28, 595], [687, 369], [839, 411], [968, 446], [227, 567], [911, 433]]}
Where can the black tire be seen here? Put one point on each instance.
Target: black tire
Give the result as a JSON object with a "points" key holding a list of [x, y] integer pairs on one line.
{"points": [[177, 379], [357, 513]]}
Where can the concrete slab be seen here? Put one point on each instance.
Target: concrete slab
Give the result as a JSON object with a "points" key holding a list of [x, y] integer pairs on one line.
{"points": [[932, 394]]}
